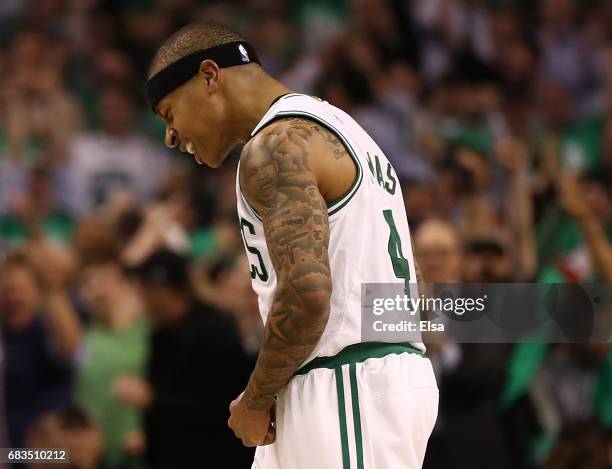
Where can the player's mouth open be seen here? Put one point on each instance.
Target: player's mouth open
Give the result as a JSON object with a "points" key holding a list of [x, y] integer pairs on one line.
{"points": [[190, 148]]}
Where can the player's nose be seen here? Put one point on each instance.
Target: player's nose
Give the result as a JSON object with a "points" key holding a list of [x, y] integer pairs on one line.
{"points": [[171, 138]]}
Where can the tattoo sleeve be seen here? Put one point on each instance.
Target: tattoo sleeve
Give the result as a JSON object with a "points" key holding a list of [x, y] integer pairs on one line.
{"points": [[276, 179]]}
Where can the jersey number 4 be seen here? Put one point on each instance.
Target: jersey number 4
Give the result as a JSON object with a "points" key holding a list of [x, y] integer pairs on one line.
{"points": [[401, 266]]}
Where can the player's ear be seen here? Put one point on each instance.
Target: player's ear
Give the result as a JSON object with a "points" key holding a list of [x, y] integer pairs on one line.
{"points": [[209, 72]]}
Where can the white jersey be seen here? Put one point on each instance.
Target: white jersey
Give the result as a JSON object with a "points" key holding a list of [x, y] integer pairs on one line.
{"points": [[369, 238]]}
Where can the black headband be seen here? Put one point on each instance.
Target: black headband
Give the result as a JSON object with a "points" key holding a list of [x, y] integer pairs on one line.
{"points": [[177, 73]]}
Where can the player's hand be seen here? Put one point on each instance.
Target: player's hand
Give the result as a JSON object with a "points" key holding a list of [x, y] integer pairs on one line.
{"points": [[253, 427]]}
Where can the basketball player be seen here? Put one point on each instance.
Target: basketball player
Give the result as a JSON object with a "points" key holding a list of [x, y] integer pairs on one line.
{"points": [[321, 212]]}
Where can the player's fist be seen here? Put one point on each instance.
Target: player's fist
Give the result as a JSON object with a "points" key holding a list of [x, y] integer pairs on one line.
{"points": [[253, 427]]}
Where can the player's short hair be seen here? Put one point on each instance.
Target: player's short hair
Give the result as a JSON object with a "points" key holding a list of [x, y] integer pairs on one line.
{"points": [[191, 38]]}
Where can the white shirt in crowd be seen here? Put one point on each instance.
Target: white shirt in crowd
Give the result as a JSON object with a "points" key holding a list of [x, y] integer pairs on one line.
{"points": [[101, 165]]}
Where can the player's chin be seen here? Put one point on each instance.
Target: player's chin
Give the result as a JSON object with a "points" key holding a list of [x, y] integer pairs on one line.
{"points": [[214, 163], [204, 159], [214, 160]]}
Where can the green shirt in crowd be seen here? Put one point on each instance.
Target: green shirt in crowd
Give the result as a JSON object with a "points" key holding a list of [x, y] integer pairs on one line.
{"points": [[111, 353]]}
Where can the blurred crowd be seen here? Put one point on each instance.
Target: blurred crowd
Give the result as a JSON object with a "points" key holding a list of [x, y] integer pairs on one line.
{"points": [[128, 320]]}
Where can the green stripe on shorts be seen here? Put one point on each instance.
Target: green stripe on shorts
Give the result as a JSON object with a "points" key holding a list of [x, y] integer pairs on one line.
{"points": [[346, 463], [356, 415], [352, 355]]}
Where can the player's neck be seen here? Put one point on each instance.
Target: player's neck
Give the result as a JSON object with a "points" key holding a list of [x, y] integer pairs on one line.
{"points": [[253, 101]]}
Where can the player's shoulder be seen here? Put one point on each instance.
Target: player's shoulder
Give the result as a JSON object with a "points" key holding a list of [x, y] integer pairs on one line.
{"points": [[279, 155], [281, 126], [289, 138]]}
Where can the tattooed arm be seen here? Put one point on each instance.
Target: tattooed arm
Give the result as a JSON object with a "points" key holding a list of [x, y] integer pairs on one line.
{"points": [[276, 178]]}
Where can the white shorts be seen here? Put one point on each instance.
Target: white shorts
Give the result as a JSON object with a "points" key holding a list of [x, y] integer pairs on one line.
{"points": [[354, 412]]}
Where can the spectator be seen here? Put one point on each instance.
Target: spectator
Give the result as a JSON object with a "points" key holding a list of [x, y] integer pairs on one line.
{"points": [[41, 336], [575, 244], [566, 142], [195, 362], [554, 387], [72, 429], [581, 446], [34, 96], [565, 55], [112, 161], [419, 200], [465, 179], [115, 345], [36, 213], [226, 284], [438, 251]]}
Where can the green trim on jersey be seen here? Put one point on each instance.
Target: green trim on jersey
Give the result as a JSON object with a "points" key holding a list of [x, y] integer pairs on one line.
{"points": [[357, 353], [334, 206], [281, 97]]}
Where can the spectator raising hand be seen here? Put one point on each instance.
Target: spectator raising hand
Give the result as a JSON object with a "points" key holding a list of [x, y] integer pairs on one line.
{"points": [[514, 156], [588, 202], [53, 266], [41, 332], [572, 197]]}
